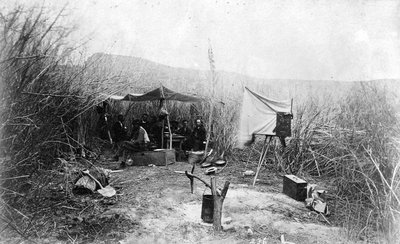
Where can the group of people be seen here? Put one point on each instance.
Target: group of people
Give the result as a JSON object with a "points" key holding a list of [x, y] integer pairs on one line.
{"points": [[147, 134]]}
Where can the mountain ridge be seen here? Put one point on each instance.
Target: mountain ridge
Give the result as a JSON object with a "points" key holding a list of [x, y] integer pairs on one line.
{"points": [[233, 72], [143, 74]]}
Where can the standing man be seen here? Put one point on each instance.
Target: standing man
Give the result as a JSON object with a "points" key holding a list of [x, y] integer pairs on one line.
{"points": [[119, 129], [119, 133], [145, 122], [103, 126], [198, 135]]}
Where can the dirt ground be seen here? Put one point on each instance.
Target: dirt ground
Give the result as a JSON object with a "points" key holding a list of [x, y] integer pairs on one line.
{"points": [[159, 200]]}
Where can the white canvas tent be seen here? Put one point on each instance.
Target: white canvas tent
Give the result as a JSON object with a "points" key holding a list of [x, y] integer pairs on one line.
{"points": [[258, 117]]}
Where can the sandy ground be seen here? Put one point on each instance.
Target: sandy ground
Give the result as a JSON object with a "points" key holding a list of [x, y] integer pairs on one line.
{"points": [[159, 200]]}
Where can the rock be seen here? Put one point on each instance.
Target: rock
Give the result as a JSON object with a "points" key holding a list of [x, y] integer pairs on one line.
{"points": [[227, 220], [249, 173], [229, 227], [248, 229]]}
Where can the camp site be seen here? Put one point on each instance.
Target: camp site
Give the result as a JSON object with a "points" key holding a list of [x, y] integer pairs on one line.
{"points": [[199, 122]]}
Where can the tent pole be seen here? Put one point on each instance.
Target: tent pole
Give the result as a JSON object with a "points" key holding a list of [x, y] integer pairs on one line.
{"points": [[170, 133], [162, 128], [262, 157], [169, 124], [162, 134]]}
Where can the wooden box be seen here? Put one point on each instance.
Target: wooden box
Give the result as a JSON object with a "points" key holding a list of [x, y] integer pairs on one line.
{"points": [[161, 157], [295, 187]]}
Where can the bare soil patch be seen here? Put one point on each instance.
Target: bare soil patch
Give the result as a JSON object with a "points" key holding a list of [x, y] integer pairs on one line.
{"points": [[160, 201], [154, 205]]}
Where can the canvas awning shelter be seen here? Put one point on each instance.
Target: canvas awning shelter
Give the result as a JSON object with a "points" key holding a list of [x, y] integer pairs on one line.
{"points": [[161, 94], [258, 116]]}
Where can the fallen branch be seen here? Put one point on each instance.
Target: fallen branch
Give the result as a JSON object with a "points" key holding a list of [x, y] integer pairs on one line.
{"points": [[191, 176], [16, 177]]}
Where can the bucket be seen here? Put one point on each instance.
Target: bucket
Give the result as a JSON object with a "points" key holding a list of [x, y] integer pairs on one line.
{"points": [[207, 208]]}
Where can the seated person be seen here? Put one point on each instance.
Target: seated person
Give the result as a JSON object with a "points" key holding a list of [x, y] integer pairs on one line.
{"points": [[174, 126], [156, 132], [138, 142], [186, 132]]}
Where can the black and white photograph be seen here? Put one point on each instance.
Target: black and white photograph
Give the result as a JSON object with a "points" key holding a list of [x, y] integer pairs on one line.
{"points": [[184, 121]]}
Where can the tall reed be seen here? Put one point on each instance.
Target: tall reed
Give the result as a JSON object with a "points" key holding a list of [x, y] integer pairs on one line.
{"points": [[44, 101], [353, 143]]}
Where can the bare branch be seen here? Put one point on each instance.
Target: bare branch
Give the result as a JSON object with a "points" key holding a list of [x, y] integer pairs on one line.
{"points": [[189, 175]]}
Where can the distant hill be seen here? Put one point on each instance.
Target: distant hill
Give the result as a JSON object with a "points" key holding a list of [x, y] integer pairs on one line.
{"points": [[132, 74]]}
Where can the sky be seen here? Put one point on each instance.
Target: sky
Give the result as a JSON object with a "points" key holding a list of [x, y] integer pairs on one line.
{"points": [[342, 40]]}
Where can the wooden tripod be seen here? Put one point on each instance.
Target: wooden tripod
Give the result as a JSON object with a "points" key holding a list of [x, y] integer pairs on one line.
{"points": [[262, 156]]}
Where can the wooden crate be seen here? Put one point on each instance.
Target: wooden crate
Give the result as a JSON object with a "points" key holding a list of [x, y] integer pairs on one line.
{"points": [[295, 187], [159, 158]]}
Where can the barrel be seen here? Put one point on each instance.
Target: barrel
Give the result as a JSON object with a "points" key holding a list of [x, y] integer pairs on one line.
{"points": [[207, 208]]}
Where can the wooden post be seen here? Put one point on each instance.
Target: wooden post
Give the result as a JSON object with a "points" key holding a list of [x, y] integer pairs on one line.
{"points": [[218, 202]]}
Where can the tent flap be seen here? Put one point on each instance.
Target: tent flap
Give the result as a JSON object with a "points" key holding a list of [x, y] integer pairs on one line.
{"points": [[258, 116]]}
